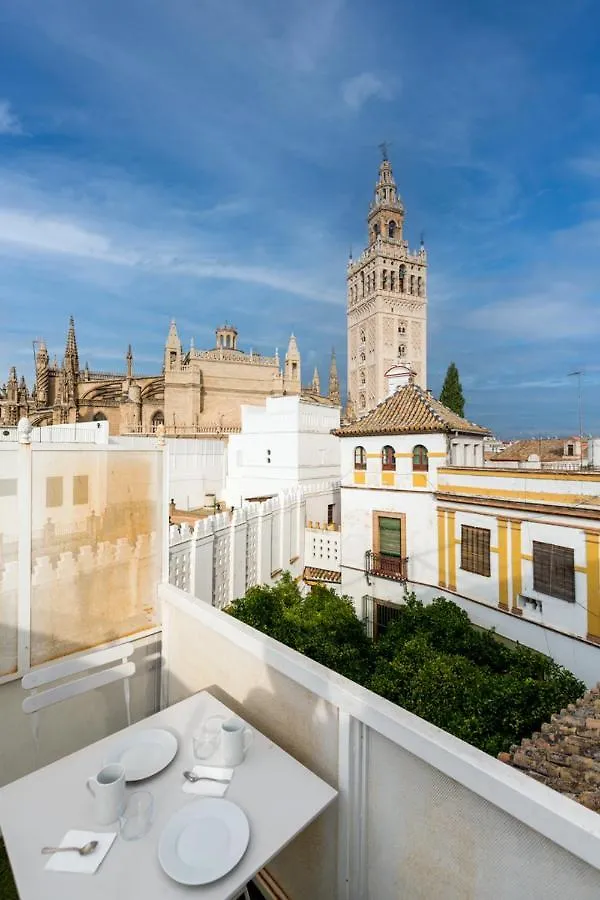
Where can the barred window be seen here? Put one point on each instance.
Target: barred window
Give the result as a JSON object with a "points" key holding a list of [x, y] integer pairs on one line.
{"points": [[554, 571], [475, 550]]}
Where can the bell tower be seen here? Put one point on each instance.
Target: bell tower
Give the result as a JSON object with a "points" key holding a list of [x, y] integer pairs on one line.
{"points": [[386, 300]]}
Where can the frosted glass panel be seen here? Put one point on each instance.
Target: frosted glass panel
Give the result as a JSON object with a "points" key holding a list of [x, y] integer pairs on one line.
{"points": [[96, 547], [9, 532]]}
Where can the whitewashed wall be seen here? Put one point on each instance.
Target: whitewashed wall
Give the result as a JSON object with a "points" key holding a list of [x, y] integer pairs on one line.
{"points": [[420, 814], [322, 549], [77, 433], [223, 555]]}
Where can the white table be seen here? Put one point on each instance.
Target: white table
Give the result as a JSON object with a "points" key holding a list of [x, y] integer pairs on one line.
{"points": [[279, 796]]}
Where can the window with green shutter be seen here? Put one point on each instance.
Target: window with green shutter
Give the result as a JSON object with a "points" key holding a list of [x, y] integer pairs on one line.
{"points": [[390, 536]]}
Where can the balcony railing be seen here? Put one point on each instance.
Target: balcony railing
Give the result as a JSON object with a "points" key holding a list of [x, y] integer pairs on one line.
{"points": [[383, 566]]}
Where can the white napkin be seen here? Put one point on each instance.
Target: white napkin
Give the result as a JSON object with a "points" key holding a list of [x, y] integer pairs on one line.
{"points": [[209, 788], [74, 862]]}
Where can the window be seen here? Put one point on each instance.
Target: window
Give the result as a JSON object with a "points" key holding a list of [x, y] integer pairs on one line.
{"points": [[554, 571], [99, 417], [384, 279], [363, 378], [402, 350], [362, 401], [401, 277], [570, 450], [412, 284], [54, 491], [158, 419], [330, 509], [475, 550], [362, 357], [268, 456], [363, 336], [420, 286], [420, 458], [80, 489], [172, 358], [390, 537], [360, 458], [401, 328], [392, 229], [392, 282], [388, 459]]}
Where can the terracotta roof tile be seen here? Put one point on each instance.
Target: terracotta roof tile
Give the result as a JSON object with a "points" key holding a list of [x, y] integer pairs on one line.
{"points": [[409, 410], [311, 573], [548, 449]]}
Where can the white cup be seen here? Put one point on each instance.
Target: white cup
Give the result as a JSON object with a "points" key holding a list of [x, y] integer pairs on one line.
{"points": [[235, 740], [108, 790]]}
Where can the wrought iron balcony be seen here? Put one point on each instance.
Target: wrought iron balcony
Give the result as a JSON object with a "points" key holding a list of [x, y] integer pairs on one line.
{"points": [[384, 566]]}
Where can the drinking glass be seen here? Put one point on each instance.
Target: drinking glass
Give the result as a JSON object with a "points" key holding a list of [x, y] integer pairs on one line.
{"points": [[137, 816], [205, 739]]}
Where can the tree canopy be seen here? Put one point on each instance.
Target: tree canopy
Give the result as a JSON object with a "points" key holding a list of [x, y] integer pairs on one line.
{"points": [[430, 660], [452, 393]]}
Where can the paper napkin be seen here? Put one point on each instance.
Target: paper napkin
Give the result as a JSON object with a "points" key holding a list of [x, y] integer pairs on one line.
{"points": [[73, 862], [209, 788]]}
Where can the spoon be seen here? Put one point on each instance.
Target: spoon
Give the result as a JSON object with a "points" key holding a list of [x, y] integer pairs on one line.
{"points": [[191, 776], [83, 851]]}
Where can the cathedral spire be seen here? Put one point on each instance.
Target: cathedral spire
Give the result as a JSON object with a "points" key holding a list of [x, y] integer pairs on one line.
{"points": [[316, 383], [334, 381], [129, 359], [71, 354]]}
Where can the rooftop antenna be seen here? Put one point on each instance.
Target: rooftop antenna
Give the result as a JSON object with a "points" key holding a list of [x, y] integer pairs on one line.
{"points": [[579, 373]]}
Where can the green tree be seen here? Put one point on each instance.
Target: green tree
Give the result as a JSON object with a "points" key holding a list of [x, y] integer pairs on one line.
{"points": [[452, 393]]}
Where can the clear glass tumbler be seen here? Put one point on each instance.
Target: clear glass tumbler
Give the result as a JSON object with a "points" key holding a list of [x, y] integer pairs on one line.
{"points": [[136, 819], [206, 738]]}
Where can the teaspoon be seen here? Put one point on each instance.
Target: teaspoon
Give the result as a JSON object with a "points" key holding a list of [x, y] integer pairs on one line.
{"points": [[83, 851]]}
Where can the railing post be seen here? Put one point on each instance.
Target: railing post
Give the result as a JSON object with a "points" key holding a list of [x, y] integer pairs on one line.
{"points": [[24, 496], [352, 808]]}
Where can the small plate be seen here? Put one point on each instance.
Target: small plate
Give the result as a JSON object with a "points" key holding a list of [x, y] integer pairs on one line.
{"points": [[203, 841], [144, 752]]}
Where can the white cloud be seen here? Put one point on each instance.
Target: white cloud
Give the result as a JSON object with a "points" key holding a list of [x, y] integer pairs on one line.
{"points": [[536, 318], [9, 123], [358, 90]]}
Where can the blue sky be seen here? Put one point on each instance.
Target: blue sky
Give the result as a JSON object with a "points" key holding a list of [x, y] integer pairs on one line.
{"points": [[205, 160]]}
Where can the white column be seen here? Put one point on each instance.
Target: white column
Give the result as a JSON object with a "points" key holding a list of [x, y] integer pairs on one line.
{"points": [[237, 554]]}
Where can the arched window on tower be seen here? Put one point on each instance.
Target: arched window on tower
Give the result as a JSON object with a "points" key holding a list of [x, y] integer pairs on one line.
{"points": [[157, 419], [401, 328], [401, 350], [363, 336], [412, 284], [363, 378], [420, 286], [388, 459], [402, 279], [384, 280], [362, 357], [360, 458], [420, 458], [392, 280], [376, 229], [392, 229], [362, 284]]}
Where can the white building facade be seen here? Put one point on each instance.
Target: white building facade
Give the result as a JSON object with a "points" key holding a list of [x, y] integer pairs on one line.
{"points": [[518, 550], [282, 446]]}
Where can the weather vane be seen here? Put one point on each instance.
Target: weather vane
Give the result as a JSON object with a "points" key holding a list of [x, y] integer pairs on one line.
{"points": [[384, 150]]}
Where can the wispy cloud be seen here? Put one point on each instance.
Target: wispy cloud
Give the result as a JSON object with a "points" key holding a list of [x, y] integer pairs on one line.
{"points": [[9, 123], [361, 88]]}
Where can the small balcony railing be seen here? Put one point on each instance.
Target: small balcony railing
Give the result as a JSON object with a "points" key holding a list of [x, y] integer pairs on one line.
{"points": [[383, 566]]}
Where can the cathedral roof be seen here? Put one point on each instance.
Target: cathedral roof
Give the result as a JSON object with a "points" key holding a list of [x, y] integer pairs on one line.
{"points": [[409, 410]]}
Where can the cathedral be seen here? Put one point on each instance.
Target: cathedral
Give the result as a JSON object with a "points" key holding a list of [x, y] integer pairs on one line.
{"points": [[197, 392], [202, 391], [386, 301]]}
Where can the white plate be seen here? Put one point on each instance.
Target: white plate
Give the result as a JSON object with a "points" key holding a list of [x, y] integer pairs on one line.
{"points": [[144, 752], [203, 841]]}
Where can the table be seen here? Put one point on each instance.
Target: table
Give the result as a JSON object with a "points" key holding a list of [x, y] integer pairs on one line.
{"points": [[279, 796]]}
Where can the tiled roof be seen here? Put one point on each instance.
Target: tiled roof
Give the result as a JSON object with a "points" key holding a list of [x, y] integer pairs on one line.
{"points": [[548, 449], [313, 574], [566, 754], [409, 410]]}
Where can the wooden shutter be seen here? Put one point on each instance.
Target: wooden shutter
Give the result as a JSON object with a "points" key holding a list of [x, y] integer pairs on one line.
{"points": [[475, 550], [554, 571], [390, 536]]}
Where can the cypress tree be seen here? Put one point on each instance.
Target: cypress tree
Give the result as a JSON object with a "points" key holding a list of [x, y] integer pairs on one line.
{"points": [[452, 394]]}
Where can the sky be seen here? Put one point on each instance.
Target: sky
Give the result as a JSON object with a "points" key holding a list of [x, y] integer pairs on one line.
{"points": [[209, 161]]}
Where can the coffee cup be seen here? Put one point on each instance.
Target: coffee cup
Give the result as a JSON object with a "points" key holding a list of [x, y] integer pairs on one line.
{"points": [[108, 790], [235, 740]]}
